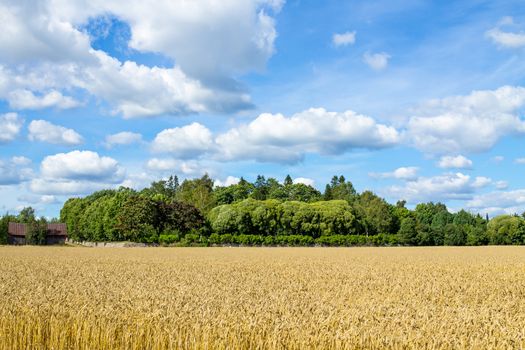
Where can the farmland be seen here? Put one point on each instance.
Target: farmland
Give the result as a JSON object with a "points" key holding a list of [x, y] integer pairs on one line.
{"points": [[275, 298]]}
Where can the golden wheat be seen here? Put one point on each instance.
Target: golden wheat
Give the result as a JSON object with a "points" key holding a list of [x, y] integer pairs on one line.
{"points": [[261, 298]]}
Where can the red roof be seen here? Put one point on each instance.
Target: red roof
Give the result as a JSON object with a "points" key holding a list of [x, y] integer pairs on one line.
{"points": [[16, 229], [56, 230]]}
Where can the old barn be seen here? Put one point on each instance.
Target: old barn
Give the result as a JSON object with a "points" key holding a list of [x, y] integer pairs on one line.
{"points": [[56, 233]]}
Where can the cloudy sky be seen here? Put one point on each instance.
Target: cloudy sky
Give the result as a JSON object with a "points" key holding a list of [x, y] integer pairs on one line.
{"points": [[416, 100]]}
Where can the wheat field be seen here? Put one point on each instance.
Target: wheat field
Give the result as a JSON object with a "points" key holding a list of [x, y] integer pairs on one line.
{"points": [[262, 298]]}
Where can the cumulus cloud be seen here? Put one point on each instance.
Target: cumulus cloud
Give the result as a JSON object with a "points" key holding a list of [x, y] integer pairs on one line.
{"points": [[139, 91], [20, 160], [211, 43], [10, 126], [376, 61], [81, 165], [25, 99], [13, 172], [277, 138], [402, 173], [506, 38], [77, 172], [65, 187], [441, 187], [122, 138], [44, 131], [174, 166], [205, 37], [472, 123], [343, 39], [304, 181], [501, 185], [519, 160], [230, 180], [500, 202], [458, 162], [188, 141]]}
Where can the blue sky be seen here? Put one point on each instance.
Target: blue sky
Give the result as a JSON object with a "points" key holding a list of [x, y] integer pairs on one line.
{"points": [[415, 100]]}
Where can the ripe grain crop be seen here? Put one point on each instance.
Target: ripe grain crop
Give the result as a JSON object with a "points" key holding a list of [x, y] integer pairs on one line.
{"points": [[262, 298]]}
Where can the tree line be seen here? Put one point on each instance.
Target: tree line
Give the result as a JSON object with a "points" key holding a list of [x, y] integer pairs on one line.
{"points": [[267, 212], [36, 227]]}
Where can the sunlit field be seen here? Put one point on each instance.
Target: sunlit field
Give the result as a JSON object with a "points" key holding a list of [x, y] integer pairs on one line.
{"points": [[266, 298]]}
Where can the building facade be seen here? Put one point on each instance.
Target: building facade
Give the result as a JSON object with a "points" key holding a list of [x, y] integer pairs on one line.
{"points": [[56, 233]]}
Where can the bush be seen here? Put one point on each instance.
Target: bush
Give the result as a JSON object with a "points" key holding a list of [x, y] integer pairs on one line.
{"points": [[168, 239], [36, 232]]}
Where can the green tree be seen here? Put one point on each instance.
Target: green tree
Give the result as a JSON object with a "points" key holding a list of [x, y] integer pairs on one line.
{"points": [[180, 217], [288, 180], [454, 235], [261, 189], [339, 188], [407, 231], [437, 228], [303, 193], [198, 192], [138, 220], [4, 227], [167, 189], [374, 213], [476, 235], [506, 229], [26, 215], [36, 232]]}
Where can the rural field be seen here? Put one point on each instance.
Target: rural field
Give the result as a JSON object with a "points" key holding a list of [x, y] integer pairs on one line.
{"points": [[265, 298]]}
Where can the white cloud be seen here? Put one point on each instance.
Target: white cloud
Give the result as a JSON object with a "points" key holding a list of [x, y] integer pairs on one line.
{"points": [[25, 99], [122, 138], [211, 42], [44, 131], [20, 160], [75, 173], [376, 61], [188, 141], [174, 166], [458, 162], [441, 187], [472, 123], [32, 199], [140, 91], [501, 185], [519, 160], [82, 165], [481, 181], [276, 138], [498, 159], [506, 39], [11, 173], [230, 180], [10, 126], [343, 39], [402, 173], [500, 202], [66, 187], [205, 37], [304, 181]]}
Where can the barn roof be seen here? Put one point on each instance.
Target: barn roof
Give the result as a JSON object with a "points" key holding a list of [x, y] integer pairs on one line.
{"points": [[16, 229], [56, 230]]}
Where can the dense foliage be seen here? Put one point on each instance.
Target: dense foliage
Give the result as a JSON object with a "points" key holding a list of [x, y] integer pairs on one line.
{"points": [[268, 212], [36, 227], [127, 215]]}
